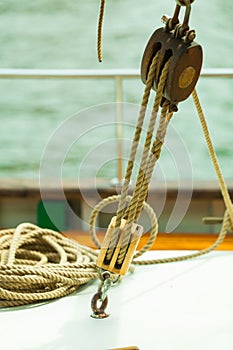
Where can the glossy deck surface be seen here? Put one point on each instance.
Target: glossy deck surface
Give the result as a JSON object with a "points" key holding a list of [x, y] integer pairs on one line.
{"points": [[184, 305]]}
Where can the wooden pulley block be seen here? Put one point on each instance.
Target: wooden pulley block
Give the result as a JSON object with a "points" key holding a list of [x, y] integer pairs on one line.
{"points": [[112, 264], [185, 65]]}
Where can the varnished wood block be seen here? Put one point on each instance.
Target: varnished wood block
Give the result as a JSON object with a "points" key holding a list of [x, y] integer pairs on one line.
{"points": [[112, 264]]}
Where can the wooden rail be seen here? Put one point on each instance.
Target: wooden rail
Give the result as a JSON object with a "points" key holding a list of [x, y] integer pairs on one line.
{"points": [[164, 241]]}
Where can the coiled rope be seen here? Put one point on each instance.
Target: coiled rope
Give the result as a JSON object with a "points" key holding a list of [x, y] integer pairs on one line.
{"points": [[39, 264]]}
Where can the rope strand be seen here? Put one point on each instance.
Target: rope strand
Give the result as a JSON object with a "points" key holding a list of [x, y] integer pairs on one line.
{"points": [[143, 180], [154, 156], [132, 209], [222, 183], [133, 151], [100, 29], [228, 216]]}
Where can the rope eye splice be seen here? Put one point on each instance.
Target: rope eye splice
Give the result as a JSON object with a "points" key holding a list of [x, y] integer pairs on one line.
{"points": [[174, 41]]}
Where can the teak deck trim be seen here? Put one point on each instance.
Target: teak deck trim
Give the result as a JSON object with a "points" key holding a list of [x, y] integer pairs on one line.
{"points": [[164, 241]]}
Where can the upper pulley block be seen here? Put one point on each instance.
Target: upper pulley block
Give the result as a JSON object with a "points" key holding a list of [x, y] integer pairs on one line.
{"points": [[175, 41]]}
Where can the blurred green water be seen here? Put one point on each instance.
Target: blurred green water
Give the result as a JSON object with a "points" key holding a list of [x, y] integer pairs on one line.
{"points": [[62, 34]]}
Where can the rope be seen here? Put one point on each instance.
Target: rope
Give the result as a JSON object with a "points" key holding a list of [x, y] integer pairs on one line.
{"points": [[226, 227], [133, 151], [222, 184], [154, 156], [142, 184], [114, 199], [148, 160], [39, 264], [228, 216], [147, 164], [99, 30]]}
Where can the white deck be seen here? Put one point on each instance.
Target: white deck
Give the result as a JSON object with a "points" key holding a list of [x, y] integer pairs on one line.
{"points": [[184, 306]]}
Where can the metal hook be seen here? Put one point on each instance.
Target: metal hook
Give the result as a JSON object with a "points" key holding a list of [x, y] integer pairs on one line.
{"points": [[107, 281], [99, 312]]}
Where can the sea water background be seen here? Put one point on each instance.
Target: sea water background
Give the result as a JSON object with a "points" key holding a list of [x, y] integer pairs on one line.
{"points": [[62, 34]]}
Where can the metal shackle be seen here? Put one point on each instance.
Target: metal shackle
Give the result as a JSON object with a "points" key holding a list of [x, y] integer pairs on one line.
{"points": [[184, 2]]}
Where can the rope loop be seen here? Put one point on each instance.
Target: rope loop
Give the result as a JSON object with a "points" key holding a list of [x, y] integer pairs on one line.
{"points": [[115, 199]]}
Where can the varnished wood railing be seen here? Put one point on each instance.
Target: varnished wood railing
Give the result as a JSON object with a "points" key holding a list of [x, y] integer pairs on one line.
{"points": [[165, 241]]}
